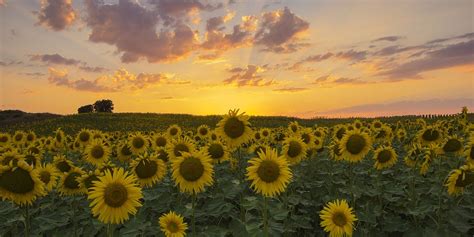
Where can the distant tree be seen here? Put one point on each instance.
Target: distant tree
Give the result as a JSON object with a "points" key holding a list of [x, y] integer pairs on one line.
{"points": [[106, 106], [85, 109]]}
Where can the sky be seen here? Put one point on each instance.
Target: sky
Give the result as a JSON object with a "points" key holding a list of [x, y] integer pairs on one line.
{"points": [[303, 58]]}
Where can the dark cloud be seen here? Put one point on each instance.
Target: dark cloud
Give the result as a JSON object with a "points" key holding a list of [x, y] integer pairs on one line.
{"points": [[54, 59], [314, 58], [352, 55], [60, 60], [167, 97], [133, 30], [334, 80], [33, 74], [172, 11], [250, 76], [61, 78], [449, 56], [392, 38], [291, 89], [278, 31], [219, 41], [442, 40], [56, 14], [10, 63]]}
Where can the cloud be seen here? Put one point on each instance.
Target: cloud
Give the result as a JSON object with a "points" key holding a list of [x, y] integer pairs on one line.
{"points": [[60, 60], [10, 63], [219, 41], [131, 28], [54, 59], [392, 38], [452, 55], [33, 74], [249, 76], [407, 107], [174, 10], [279, 30], [334, 80], [352, 55], [121, 80], [56, 14], [459, 37], [291, 89]]}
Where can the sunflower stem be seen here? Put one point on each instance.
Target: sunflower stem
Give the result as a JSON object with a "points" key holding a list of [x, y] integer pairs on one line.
{"points": [[27, 221], [74, 215], [193, 218], [110, 230], [265, 216]]}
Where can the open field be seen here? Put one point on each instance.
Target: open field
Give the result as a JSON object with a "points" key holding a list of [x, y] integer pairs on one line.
{"points": [[408, 176]]}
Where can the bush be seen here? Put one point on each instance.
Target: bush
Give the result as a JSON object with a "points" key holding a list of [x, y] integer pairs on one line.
{"points": [[106, 106], [85, 109]]}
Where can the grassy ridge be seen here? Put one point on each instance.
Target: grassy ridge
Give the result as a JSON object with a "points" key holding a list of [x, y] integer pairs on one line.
{"points": [[152, 121]]}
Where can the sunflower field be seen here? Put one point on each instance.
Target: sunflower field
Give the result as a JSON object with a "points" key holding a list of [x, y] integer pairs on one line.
{"points": [[227, 176]]}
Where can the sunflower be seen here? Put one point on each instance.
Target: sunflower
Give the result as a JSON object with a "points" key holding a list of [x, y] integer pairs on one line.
{"points": [[293, 127], [469, 151], [115, 196], [62, 164], [382, 134], [401, 134], [162, 154], [86, 181], [148, 169], [179, 146], [294, 149], [59, 138], [20, 183], [69, 183], [48, 175], [97, 152], [452, 145], [213, 136], [339, 132], [385, 157], [234, 128], [4, 139], [355, 145], [269, 173], [32, 159], [217, 151], [459, 179], [173, 225], [138, 143], [265, 133], [174, 131], [84, 136], [10, 157], [430, 135], [30, 137], [338, 218], [203, 131], [34, 149], [413, 155], [192, 172], [376, 124], [335, 152], [159, 140], [19, 138], [124, 152], [257, 147]]}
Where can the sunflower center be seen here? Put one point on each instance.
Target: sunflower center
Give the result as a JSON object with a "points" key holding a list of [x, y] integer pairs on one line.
{"points": [[97, 152], [59, 138], [294, 149], [160, 141], [452, 145], [45, 176], [138, 142], [234, 128], [6, 160], [18, 137], [203, 131], [63, 166], [125, 150], [384, 156], [146, 169], [84, 136], [340, 133], [191, 169], [31, 160], [70, 182], [471, 153], [3, 139], [377, 125], [173, 131], [339, 219], [430, 135], [268, 171], [172, 227], [355, 144], [306, 138], [34, 150], [468, 179], [30, 137], [317, 134], [115, 195], [381, 134], [179, 148], [257, 136], [17, 181], [294, 128], [216, 151], [265, 133], [89, 181], [163, 155]]}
